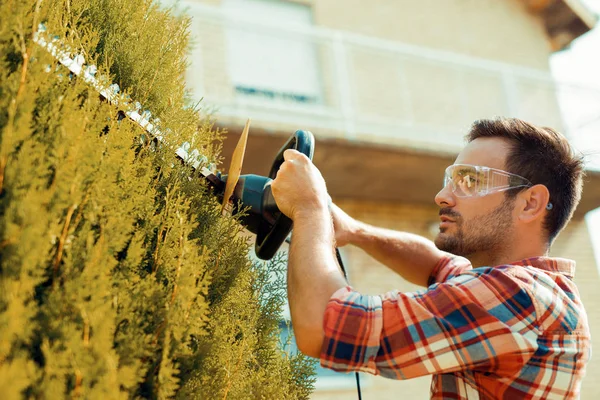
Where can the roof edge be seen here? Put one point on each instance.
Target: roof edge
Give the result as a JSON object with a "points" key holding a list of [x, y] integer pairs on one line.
{"points": [[564, 20]]}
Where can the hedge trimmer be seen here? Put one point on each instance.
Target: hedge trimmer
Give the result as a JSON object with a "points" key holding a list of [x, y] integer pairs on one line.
{"points": [[251, 193]]}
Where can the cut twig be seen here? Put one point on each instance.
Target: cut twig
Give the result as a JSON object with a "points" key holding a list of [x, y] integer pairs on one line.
{"points": [[86, 329]]}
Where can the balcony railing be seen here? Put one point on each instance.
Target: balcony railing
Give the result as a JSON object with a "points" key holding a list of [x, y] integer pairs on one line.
{"points": [[361, 88]]}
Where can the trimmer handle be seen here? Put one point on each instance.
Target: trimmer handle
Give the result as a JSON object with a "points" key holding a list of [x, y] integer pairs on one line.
{"points": [[302, 141], [275, 226]]}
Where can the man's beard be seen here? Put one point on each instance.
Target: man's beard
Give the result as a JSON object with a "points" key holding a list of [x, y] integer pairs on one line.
{"points": [[483, 233]]}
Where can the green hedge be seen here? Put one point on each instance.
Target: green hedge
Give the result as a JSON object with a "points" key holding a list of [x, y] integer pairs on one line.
{"points": [[119, 277]]}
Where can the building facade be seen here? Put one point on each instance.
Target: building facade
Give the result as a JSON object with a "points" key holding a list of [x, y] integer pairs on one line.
{"points": [[389, 88]]}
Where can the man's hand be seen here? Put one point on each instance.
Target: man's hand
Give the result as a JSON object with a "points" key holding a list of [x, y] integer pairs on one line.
{"points": [[345, 226], [313, 273], [299, 188]]}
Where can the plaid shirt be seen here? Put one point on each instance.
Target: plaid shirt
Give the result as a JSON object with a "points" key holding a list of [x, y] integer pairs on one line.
{"points": [[512, 331]]}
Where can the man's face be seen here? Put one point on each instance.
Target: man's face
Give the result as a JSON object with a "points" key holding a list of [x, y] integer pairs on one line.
{"points": [[478, 224]]}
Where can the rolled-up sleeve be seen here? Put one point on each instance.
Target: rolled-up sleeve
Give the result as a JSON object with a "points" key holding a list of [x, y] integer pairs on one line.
{"points": [[472, 321]]}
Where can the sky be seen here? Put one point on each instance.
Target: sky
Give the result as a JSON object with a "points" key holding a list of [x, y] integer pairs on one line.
{"points": [[581, 65]]}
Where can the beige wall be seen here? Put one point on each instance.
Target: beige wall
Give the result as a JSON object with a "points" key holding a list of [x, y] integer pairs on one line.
{"points": [[426, 94], [368, 276], [497, 30], [401, 93], [574, 243]]}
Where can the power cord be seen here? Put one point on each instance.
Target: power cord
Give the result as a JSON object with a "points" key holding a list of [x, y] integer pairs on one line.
{"points": [[339, 259]]}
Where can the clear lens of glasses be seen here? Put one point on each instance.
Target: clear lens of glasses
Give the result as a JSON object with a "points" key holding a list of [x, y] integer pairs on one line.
{"points": [[474, 180]]}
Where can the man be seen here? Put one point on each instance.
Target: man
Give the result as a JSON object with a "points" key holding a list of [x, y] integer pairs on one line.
{"points": [[499, 319]]}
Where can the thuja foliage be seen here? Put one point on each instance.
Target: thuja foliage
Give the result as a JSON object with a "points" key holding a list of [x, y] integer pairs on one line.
{"points": [[119, 277]]}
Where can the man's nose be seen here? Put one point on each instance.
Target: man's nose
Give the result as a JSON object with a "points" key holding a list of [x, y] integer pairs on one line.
{"points": [[445, 197]]}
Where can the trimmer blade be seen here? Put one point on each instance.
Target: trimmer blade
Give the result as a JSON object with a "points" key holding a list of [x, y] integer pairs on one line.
{"points": [[235, 167]]}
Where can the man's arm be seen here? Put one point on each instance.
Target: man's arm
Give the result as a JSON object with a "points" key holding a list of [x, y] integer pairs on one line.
{"points": [[411, 256], [313, 276], [313, 272], [474, 322]]}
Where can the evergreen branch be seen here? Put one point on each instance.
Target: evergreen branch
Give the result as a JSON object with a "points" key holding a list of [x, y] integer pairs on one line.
{"points": [[184, 152], [2, 168], [161, 232], [179, 261], [86, 329], [6, 242], [74, 31], [81, 207], [218, 259], [237, 367], [78, 381], [155, 255], [63, 238], [145, 96], [156, 72], [26, 54], [27, 51], [174, 293], [159, 330], [78, 377]]}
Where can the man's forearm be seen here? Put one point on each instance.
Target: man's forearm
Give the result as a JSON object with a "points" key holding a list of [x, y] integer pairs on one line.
{"points": [[313, 276], [411, 256]]}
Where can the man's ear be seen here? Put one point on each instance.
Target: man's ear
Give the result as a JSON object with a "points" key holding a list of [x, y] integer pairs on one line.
{"points": [[535, 202]]}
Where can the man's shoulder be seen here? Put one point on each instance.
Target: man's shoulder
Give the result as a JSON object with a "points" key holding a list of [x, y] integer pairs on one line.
{"points": [[449, 266], [452, 266], [550, 270], [526, 270]]}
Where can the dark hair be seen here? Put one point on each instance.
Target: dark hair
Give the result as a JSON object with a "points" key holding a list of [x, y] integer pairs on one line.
{"points": [[543, 156]]}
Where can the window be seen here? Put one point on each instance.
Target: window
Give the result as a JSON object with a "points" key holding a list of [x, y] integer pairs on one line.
{"points": [[265, 58]]}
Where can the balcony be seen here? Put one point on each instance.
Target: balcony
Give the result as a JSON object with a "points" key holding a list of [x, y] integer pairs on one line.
{"points": [[381, 110]]}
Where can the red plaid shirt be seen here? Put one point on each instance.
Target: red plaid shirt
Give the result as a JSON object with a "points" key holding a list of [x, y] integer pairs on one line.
{"points": [[511, 332]]}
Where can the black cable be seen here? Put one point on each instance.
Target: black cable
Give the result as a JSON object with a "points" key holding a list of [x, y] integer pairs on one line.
{"points": [[339, 259], [358, 385]]}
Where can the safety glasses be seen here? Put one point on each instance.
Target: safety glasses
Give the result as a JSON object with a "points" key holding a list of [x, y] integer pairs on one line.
{"points": [[474, 180]]}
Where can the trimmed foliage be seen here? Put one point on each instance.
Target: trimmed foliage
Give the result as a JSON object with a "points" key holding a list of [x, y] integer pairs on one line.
{"points": [[119, 277]]}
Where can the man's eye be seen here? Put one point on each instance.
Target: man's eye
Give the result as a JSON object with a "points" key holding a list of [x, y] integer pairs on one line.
{"points": [[470, 180]]}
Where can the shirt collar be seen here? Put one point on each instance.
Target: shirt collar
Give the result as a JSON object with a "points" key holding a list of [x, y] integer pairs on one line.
{"points": [[551, 264]]}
